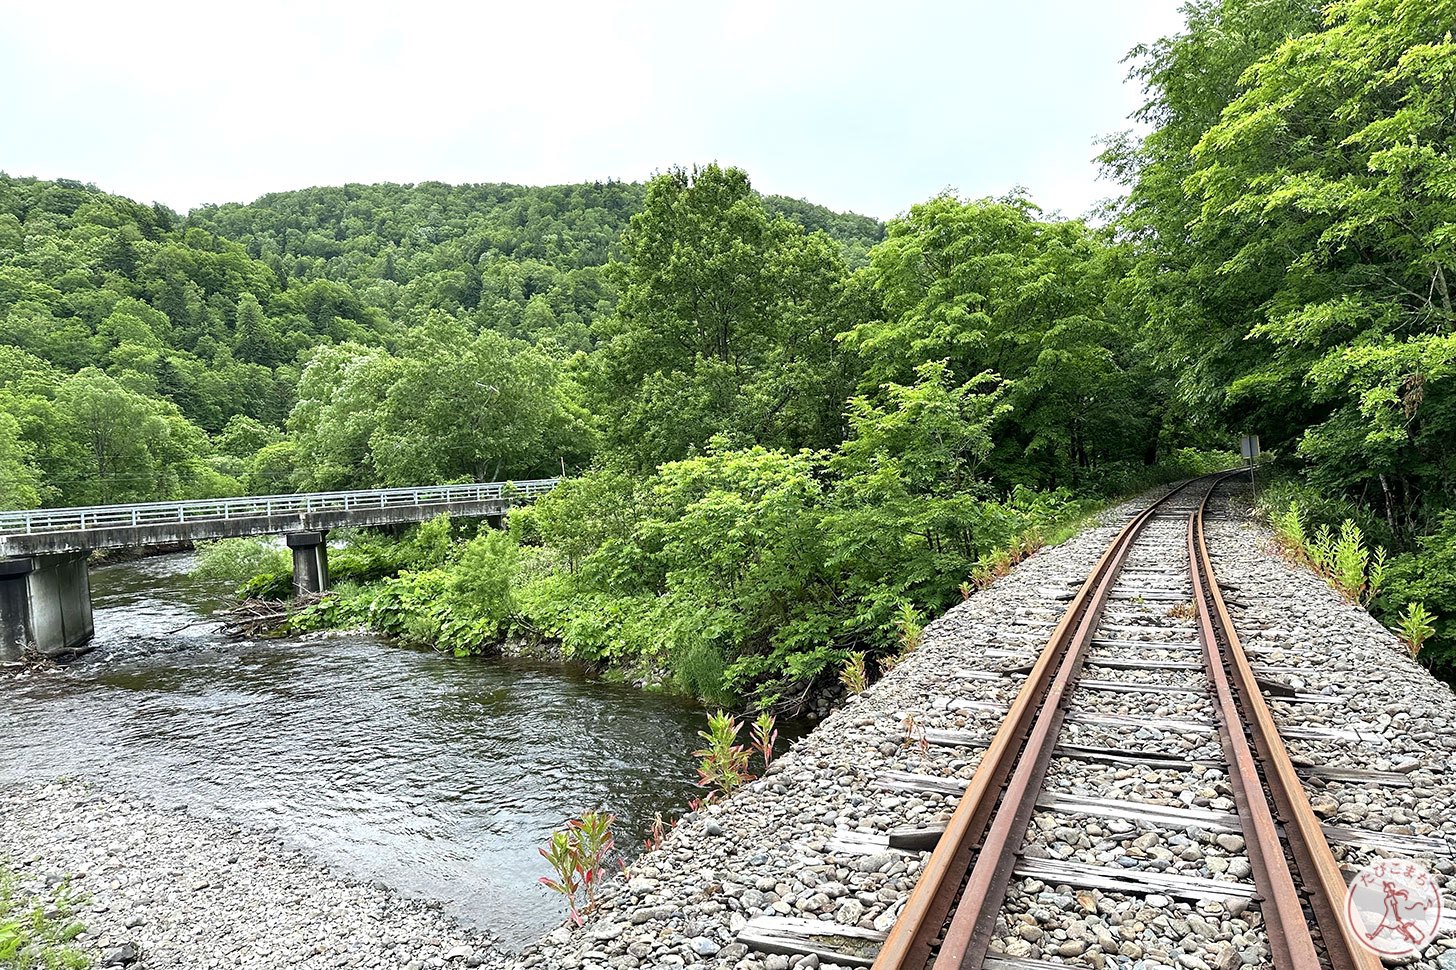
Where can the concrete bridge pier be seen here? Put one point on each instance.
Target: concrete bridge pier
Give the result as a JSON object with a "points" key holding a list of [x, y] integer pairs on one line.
{"points": [[310, 561], [45, 605]]}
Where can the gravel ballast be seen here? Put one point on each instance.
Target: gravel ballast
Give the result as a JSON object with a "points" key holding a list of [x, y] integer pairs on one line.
{"points": [[776, 847]]}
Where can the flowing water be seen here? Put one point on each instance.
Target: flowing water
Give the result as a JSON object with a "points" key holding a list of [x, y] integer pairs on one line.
{"points": [[438, 776]]}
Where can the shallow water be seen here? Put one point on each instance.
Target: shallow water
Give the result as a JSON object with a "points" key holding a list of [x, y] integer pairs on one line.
{"points": [[436, 775]]}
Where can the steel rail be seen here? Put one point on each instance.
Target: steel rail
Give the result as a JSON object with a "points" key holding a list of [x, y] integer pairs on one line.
{"points": [[1013, 763], [1319, 874], [1290, 944], [41, 521]]}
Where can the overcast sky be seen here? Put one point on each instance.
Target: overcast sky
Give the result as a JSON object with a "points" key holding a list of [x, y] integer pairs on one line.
{"points": [[866, 106]]}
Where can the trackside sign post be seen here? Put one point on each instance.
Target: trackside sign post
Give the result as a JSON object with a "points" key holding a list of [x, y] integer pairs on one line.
{"points": [[1249, 448]]}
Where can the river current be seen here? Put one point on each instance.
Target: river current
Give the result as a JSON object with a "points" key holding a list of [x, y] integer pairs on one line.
{"points": [[438, 776]]}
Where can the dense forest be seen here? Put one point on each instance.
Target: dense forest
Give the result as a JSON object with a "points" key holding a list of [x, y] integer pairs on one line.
{"points": [[791, 434]]}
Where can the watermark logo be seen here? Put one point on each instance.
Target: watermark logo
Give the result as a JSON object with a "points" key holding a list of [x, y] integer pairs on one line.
{"points": [[1393, 907]]}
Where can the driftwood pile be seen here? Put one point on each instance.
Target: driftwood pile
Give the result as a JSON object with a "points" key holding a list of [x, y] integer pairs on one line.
{"points": [[261, 618]]}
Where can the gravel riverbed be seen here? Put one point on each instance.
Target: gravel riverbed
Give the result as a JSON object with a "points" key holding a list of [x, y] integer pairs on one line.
{"points": [[160, 888]]}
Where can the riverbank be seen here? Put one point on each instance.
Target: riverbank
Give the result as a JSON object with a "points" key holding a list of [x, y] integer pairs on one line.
{"points": [[436, 776], [162, 888]]}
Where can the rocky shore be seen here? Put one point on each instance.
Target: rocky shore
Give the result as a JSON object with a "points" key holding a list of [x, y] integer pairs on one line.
{"points": [[162, 889]]}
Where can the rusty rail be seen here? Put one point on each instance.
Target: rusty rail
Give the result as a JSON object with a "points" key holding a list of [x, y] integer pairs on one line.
{"points": [[916, 938], [973, 860], [1243, 714]]}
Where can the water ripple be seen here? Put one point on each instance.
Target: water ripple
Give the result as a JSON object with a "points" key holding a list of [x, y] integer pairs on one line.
{"points": [[437, 775]]}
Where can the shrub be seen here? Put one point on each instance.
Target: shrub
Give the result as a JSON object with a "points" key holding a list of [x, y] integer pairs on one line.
{"points": [[481, 585], [237, 561]]}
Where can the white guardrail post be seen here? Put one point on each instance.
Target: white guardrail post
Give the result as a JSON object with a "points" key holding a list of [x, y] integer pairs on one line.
{"points": [[102, 516]]}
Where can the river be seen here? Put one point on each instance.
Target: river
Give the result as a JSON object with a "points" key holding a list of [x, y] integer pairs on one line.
{"points": [[438, 776]]}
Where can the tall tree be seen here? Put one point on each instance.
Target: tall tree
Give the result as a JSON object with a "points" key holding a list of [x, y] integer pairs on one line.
{"points": [[726, 325]]}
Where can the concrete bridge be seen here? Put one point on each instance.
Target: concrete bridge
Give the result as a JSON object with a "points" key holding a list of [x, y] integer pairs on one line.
{"points": [[45, 587]]}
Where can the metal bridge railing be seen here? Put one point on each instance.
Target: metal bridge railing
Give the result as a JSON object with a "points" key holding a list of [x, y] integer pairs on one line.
{"points": [[32, 521]]}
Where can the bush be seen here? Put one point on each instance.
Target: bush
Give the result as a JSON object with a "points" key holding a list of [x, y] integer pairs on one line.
{"points": [[237, 561], [1427, 575]]}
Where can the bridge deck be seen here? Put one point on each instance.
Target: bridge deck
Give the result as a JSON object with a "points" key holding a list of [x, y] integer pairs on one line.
{"points": [[42, 531]]}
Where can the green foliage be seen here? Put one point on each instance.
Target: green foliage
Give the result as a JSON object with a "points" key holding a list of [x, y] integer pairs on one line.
{"points": [[726, 325], [1340, 556], [1427, 575], [1290, 216], [911, 628], [578, 855], [237, 561], [1416, 627], [481, 584], [722, 761], [35, 933], [21, 482], [991, 286], [852, 675]]}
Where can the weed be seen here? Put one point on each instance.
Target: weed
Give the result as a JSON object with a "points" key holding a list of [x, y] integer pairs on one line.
{"points": [[1183, 611], [1342, 559], [1417, 625], [912, 630], [888, 663], [658, 833], [1378, 568], [578, 855], [723, 762], [852, 675], [1289, 529], [35, 932], [993, 566], [915, 734], [1351, 559], [765, 734]]}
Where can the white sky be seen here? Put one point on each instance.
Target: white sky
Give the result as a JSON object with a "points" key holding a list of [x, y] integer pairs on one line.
{"points": [[865, 105]]}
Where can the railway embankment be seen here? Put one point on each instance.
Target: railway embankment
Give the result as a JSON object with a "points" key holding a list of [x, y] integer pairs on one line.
{"points": [[770, 851], [822, 853]]}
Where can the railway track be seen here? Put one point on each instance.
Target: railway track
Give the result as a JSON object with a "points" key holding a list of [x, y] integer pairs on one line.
{"points": [[1149, 623]]}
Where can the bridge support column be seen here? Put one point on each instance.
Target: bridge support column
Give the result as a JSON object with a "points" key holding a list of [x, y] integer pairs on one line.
{"points": [[310, 562], [45, 605]]}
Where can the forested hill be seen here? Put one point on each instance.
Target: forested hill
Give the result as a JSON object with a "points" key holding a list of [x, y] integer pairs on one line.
{"points": [[520, 259], [792, 431], [192, 332]]}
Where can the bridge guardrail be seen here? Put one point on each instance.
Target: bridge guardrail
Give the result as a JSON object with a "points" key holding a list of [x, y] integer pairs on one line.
{"points": [[33, 521]]}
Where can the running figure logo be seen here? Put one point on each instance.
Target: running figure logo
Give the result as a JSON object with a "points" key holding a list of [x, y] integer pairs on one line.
{"points": [[1393, 907]]}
